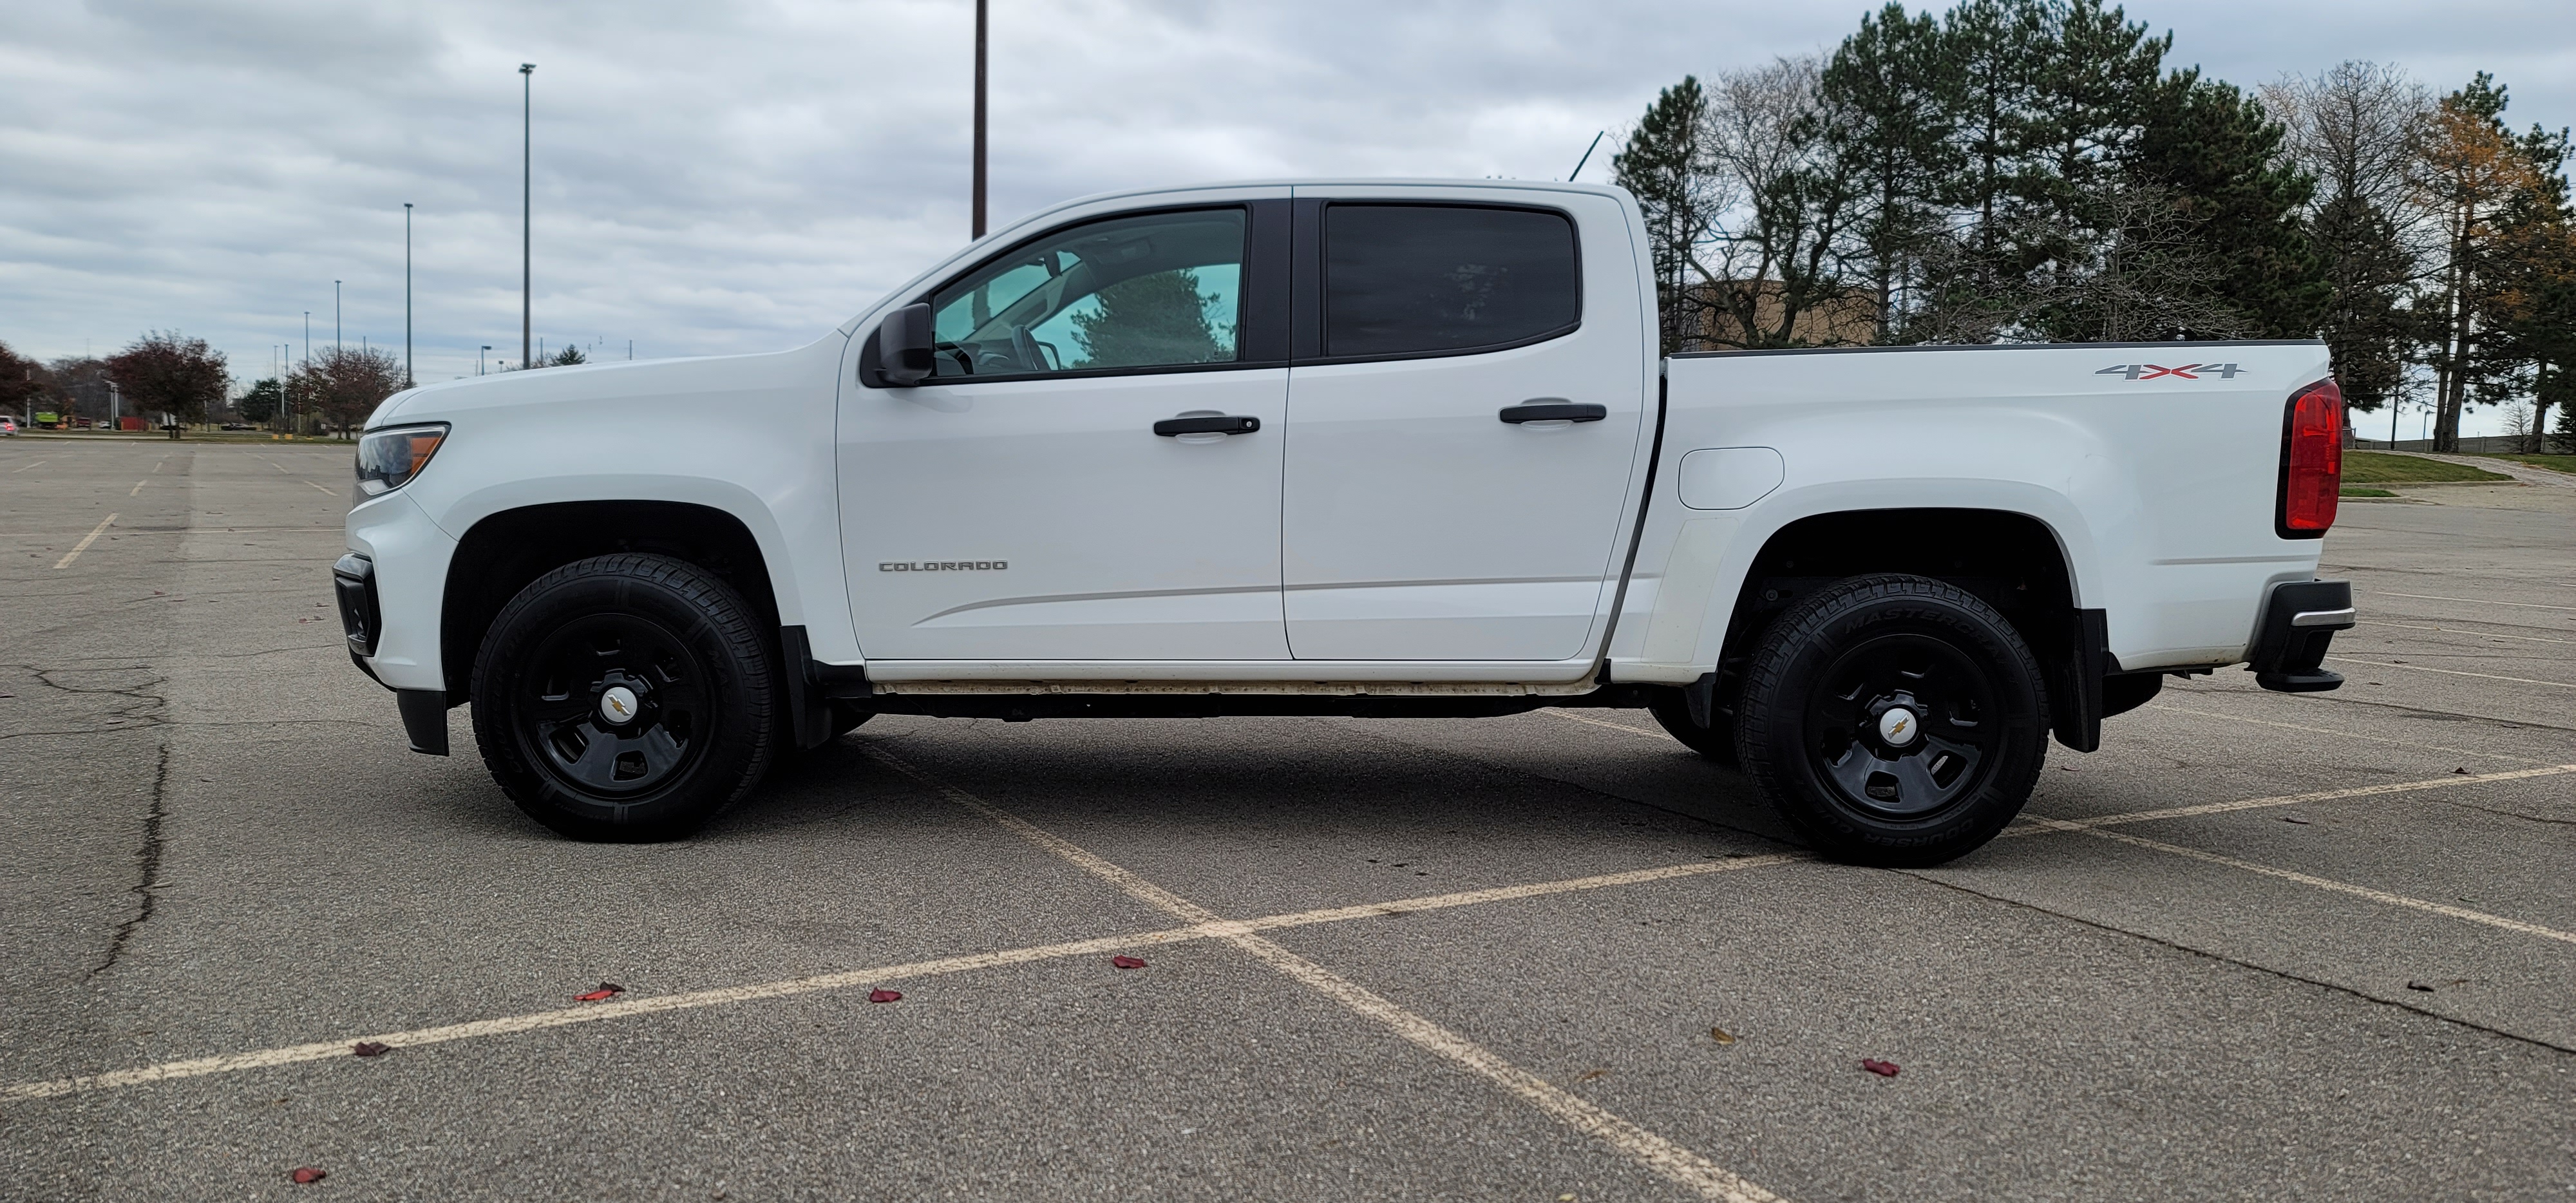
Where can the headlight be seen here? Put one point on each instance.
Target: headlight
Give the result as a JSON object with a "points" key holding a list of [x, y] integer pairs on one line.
{"points": [[389, 458]]}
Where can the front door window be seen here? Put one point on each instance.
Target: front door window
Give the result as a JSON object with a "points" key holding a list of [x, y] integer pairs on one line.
{"points": [[1144, 291]]}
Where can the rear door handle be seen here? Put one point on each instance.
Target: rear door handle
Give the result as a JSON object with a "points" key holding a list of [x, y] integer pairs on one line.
{"points": [[1551, 409], [1210, 424]]}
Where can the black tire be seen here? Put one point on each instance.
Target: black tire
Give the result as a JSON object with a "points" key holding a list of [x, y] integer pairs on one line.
{"points": [[1830, 689], [1715, 741], [696, 675]]}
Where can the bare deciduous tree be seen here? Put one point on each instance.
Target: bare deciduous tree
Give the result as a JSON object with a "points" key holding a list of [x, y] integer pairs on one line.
{"points": [[341, 386], [167, 372]]}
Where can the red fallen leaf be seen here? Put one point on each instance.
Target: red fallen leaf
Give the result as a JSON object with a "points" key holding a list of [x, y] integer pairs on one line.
{"points": [[1127, 962], [885, 996], [308, 1175], [1884, 1069], [606, 990], [369, 1048]]}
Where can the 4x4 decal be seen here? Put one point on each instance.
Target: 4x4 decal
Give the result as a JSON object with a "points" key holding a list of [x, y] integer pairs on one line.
{"points": [[2188, 371]]}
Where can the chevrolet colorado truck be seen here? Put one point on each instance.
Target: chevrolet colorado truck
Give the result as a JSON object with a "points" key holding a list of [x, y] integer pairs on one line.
{"points": [[1360, 448]]}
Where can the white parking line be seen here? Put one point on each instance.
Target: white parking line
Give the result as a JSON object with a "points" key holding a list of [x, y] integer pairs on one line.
{"points": [[1673, 1162], [23, 467], [2452, 672], [2379, 896], [510, 1024], [324, 488], [138, 487], [86, 540], [2380, 739], [2326, 795], [2479, 601], [1583, 718], [2381, 622]]}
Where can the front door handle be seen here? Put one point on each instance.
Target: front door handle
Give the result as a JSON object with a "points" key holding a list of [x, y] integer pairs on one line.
{"points": [[1210, 424], [1554, 409]]}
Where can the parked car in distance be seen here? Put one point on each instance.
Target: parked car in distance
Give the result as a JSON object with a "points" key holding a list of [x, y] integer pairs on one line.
{"points": [[1352, 448], [8, 425]]}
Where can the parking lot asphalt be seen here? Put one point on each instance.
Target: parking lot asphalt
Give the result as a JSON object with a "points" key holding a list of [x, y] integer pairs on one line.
{"points": [[2260, 945]]}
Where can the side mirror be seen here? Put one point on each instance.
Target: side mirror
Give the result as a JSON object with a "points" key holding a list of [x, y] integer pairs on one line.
{"points": [[905, 345]]}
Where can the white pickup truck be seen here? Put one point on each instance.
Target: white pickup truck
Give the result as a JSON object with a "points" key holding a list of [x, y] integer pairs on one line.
{"points": [[1360, 448]]}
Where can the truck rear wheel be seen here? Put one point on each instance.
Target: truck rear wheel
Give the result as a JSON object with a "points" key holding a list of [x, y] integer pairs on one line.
{"points": [[624, 697], [1894, 720]]}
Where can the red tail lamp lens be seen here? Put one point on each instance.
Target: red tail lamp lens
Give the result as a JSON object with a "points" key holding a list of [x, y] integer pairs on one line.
{"points": [[2311, 461]]}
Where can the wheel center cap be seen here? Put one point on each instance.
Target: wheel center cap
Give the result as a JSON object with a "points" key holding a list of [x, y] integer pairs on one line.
{"points": [[1898, 726], [617, 705]]}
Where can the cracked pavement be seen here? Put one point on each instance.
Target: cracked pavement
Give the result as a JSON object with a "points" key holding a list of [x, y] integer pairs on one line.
{"points": [[2279, 947]]}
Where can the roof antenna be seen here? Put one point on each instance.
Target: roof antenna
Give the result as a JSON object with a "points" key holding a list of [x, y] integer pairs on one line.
{"points": [[1587, 155]]}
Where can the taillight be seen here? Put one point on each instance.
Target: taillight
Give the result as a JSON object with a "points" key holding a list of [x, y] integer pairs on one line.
{"points": [[2311, 462]]}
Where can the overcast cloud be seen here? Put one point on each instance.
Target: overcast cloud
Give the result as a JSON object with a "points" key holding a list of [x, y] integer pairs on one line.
{"points": [[716, 178]]}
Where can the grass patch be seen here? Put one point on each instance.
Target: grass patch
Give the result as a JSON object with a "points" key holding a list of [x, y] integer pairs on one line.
{"points": [[2555, 463], [2351, 491], [2388, 468]]}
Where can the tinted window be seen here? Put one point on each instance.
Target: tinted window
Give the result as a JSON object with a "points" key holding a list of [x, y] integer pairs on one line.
{"points": [[1152, 290], [1403, 279]]}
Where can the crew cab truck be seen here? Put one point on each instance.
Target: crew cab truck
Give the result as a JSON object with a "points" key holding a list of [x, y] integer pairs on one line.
{"points": [[1348, 448]]}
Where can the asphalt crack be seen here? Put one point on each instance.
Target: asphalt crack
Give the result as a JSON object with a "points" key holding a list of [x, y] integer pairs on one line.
{"points": [[147, 863]]}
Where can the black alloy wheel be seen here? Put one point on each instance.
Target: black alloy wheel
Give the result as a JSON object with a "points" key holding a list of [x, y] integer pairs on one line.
{"points": [[1894, 720], [624, 697], [614, 703]]}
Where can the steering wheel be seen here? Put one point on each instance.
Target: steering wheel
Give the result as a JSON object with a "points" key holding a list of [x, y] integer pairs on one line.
{"points": [[1025, 346]]}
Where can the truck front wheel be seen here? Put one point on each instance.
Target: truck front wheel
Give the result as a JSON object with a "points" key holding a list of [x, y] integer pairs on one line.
{"points": [[1894, 720], [624, 697]]}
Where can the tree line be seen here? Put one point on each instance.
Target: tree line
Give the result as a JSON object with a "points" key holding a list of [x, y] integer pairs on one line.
{"points": [[2034, 170], [164, 372]]}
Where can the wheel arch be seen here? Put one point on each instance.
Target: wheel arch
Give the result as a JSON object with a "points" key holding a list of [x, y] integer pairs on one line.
{"points": [[2014, 560], [506, 550]]}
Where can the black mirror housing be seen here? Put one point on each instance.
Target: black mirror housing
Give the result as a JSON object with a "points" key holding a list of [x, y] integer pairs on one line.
{"points": [[901, 348]]}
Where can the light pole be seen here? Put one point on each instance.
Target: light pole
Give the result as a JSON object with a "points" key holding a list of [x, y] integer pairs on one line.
{"points": [[979, 116], [478, 358], [527, 168], [408, 379], [335, 317]]}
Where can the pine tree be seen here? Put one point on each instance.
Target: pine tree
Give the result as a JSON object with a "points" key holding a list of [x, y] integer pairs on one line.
{"points": [[2366, 325], [2531, 347], [1892, 94], [1159, 318], [264, 400], [1665, 166], [2213, 149], [2094, 88]]}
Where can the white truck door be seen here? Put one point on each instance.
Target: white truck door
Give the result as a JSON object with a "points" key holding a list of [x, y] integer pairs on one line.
{"points": [[1020, 504], [1464, 415]]}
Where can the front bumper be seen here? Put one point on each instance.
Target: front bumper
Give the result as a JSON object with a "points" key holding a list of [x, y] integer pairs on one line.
{"points": [[391, 588], [2299, 620]]}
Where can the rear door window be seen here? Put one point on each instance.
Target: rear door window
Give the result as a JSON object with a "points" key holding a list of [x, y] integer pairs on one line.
{"points": [[1435, 279]]}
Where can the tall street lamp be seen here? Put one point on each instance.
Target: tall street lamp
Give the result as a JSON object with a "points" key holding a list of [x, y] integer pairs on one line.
{"points": [[335, 317], [979, 117], [478, 358], [408, 379], [527, 165]]}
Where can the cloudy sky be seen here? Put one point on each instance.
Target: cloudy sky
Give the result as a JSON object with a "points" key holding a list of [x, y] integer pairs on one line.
{"points": [[730, 177]]}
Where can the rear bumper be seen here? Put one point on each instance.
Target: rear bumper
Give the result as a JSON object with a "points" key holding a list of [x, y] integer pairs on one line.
{"points": [[2299, 620]]}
